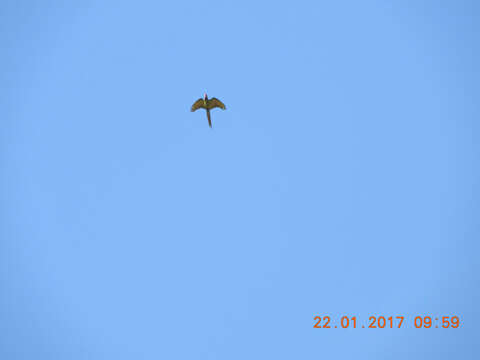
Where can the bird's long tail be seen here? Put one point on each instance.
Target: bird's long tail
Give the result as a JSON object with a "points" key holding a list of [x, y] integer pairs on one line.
{"points": [[209, 119]]}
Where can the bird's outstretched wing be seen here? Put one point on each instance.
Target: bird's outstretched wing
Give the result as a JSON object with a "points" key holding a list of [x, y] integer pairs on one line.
{"points": [[198, 105], [214, 102]]}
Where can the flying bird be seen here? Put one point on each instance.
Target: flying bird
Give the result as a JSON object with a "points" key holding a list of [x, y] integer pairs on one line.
{"points": [[207, 104]]}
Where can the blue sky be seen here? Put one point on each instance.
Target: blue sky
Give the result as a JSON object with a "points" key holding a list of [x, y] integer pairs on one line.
{"points": [[343, 179]]}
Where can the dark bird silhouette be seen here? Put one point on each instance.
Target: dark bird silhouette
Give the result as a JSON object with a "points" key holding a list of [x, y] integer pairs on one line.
{"points": [[207, 104]]}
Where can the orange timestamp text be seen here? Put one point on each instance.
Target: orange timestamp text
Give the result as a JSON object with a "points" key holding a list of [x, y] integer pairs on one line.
{"points": [[382, 322]]}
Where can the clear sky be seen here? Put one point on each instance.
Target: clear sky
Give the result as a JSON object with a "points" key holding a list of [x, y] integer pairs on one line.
{"points": [[343, 179]]}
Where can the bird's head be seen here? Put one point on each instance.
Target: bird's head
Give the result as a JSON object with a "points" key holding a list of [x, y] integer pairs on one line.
{"points": [[205, 96]]}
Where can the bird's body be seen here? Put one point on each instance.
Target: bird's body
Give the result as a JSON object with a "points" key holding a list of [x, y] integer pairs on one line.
{"points": [[207, 104]]}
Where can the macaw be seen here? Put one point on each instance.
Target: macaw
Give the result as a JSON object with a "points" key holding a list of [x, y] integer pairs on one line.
{"points": [[207, 104]]}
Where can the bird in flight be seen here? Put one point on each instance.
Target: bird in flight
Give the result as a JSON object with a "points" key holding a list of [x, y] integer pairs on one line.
{"points": [[207, 104]]}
